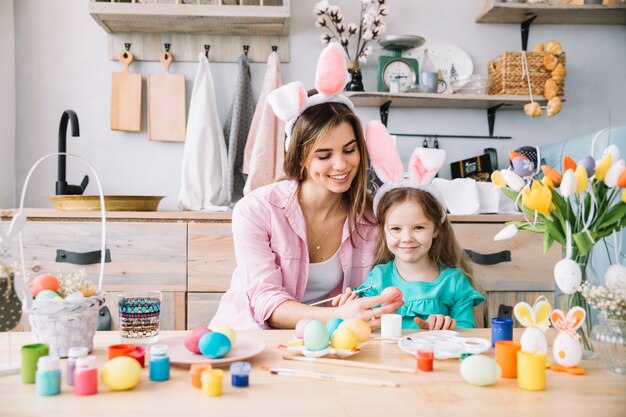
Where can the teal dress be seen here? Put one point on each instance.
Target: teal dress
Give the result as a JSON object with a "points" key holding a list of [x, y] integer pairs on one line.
{"points": [[450, 294]]}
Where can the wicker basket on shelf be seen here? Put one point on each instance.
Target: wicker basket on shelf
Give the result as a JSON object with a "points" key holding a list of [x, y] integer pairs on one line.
{"points": [[505, 74]]}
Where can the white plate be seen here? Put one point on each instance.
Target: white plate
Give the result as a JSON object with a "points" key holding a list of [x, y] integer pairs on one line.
{"points": [[180, 356], [444, 55], [445, 344]]}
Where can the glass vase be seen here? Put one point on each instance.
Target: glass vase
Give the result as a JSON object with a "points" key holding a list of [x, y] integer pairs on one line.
{"points": [[609, 337], [565, 302], [356, 77]]}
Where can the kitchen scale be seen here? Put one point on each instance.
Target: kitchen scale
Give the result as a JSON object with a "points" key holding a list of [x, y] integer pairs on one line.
{"points": [[397, 73]]}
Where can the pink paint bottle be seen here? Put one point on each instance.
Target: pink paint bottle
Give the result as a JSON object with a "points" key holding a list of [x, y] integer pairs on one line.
{"points": [[86, 376]]}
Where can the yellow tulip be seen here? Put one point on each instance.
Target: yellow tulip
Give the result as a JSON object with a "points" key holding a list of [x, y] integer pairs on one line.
{"points": [[547, 182], [624, 196], [497, 179], [603, 166], [538, 197], [581, 178]]}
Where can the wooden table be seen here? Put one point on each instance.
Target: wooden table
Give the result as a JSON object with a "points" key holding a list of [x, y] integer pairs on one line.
{"points": [[600, 393]]}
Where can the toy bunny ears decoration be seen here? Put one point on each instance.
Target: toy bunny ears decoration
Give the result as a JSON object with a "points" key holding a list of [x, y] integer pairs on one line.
{"points": [[536, 319], [423, 164], [290, 100]]}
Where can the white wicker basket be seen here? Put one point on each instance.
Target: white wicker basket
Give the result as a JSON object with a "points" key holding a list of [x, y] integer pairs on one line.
{"points": [[62, 324]]}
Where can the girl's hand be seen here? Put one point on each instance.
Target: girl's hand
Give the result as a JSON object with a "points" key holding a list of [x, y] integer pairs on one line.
{"points": [[341, 299], [366, 308], [436, 322]]}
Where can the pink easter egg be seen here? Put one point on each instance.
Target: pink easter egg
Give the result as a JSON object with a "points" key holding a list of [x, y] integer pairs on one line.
{"points": [[193, 337], [392, 293]]}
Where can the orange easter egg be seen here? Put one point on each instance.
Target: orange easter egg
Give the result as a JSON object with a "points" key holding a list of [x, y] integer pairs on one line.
{"points": [[44, 282]]}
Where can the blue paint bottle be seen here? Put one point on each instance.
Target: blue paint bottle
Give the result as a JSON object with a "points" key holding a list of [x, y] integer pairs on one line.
{"points": [[501, 329], [48, 376], [159, 363], [240, 372]]}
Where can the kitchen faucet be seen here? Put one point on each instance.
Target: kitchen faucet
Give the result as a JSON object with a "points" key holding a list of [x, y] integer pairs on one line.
{"points": [[62, 187]]}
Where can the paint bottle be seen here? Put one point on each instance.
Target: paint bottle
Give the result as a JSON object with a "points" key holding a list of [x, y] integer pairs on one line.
{"points": [[159, 363], [86, 376], [240, 374], [48, 376], [212, 382], [196, 373], [72, 354], [501, 329]]}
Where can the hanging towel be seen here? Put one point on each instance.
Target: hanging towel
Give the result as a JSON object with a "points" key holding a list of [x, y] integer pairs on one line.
{"points": [[265, 150], [203, 182], [236, 131]]}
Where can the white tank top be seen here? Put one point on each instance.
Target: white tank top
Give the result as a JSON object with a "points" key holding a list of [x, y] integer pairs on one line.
{"points": [[323, 278]]}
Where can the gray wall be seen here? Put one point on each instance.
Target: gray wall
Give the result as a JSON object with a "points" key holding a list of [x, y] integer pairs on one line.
{"points": [[61, 63], [7, 105]]}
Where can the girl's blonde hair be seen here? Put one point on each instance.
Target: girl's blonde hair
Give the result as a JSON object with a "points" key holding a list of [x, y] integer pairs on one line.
{"points": [[445, 249], [313, 126]]}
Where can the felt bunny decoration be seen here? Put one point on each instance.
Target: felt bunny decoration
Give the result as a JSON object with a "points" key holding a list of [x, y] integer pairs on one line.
{"points": [[423, 164], [10, 285], [536, 319], [566, 349], [290, 100], [9, 249]]}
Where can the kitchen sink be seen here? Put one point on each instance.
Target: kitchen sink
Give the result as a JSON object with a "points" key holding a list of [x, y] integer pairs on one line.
{"points": [[111, 202]]}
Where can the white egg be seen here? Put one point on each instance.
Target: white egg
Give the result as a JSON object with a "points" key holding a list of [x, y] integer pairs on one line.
{"points": [[567, 275], [614, 275], [480, 370], [567, 350], [534, 339]]}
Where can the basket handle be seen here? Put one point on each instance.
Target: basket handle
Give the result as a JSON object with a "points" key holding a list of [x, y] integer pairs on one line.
{"points": [[26, 299]]}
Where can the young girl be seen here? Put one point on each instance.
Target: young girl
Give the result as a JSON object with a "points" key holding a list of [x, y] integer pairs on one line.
{"points": [[417, 251]]}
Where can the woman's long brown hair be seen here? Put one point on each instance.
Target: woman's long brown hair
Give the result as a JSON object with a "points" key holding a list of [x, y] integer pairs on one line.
{"points": [[313, 126], [445, 249]]}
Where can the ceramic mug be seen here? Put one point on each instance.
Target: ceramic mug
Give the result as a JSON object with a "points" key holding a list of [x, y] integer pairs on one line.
{"points": [[430, 82]]}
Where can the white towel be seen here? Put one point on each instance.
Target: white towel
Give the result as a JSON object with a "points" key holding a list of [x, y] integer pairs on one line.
{"points": [[265, 148], [203, 182]]}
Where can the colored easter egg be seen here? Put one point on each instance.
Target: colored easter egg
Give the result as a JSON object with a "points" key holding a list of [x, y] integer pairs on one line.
{"points": [[46, 295], [567, 350], [214, 345], [392, 293], [523, 167], [589, 164], [44, 282], [315, 335], [332, 325], [358, 327], [614, 275], [300, 326], [480, 370], [121, 373], [567, 275], [193, 337], [227, 331], [344, 338]]}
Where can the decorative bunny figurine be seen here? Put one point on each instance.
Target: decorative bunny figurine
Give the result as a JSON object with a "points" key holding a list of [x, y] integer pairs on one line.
{"points": [[536, 319], [566, 349], [10, 286]]}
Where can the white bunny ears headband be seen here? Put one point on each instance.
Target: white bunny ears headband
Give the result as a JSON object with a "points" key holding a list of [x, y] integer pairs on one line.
{"points": [[290, 100]]}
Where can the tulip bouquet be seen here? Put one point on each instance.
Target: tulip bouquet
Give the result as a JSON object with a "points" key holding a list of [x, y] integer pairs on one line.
{"points": [[577, 208]]}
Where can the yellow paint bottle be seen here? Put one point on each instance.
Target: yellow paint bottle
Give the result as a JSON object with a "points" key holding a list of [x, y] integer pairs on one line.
{"points": [[531, 370], [212, 382]]}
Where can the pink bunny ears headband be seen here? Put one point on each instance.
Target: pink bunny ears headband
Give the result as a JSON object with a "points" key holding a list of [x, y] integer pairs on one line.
{"points": [[290, 100], [423, 165]]}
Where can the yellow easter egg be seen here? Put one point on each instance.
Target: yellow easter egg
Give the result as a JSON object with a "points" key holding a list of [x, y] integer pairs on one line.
{"points": [[226, 331], [344, 338], [358, 327], [121, 373]]}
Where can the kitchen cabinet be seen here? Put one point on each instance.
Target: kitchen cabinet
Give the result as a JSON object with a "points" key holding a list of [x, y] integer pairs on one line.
{"points": [[190, 257]]}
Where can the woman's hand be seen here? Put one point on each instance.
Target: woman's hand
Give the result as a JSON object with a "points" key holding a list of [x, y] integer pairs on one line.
{"points": [[436, 322], [367, 309], [341, 299]]}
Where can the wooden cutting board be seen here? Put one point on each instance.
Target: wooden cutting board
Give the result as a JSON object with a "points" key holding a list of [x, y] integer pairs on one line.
{"points": [[166, 104], [126, 97]]}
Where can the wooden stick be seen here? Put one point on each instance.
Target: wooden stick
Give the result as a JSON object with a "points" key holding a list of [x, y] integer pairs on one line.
{"points": [[343, 362], [328, 299], [328, 377]]}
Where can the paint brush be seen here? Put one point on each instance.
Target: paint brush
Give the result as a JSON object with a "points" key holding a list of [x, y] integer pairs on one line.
{"points": [[353, 364], [328, 299], [297, 373]]}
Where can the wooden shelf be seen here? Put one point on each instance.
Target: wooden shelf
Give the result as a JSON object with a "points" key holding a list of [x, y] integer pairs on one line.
{"points": [[439, 101], [553, 14], [208, 19]]}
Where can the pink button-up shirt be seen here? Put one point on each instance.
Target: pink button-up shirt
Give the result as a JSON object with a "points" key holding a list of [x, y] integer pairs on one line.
{"points": [[269, 235]]}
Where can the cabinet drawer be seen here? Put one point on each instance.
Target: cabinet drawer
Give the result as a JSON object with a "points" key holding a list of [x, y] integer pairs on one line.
{"points": [[143, 255], [528, 270], [201, 308], [211, 257]]}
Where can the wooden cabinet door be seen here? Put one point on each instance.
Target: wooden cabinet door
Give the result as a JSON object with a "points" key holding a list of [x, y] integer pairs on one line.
{"points": [[211, 258], [201, 308]]}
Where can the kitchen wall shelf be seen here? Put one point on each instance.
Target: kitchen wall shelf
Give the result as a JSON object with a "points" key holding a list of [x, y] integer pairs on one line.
{"points": [[553, 14], [491, 103], [225, 25]]}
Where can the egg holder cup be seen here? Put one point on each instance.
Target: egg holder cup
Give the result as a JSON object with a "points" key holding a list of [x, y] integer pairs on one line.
{"points": [[446, 344], [297, 346], [62, 323]]}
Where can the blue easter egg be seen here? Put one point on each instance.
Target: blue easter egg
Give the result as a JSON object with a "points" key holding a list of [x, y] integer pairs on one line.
{"points": [[316, 336], [46, 295], [523, 167], [332, 325], [214, 345]]}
